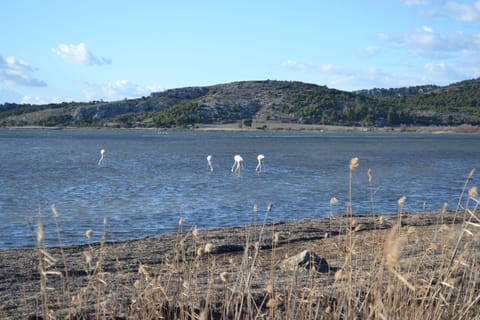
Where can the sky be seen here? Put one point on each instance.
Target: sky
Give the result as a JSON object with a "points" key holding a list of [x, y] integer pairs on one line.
{"points": [[54, 51]]}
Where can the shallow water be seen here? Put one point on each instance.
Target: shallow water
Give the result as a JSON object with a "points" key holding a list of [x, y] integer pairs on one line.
{"points": [[153, 178]]}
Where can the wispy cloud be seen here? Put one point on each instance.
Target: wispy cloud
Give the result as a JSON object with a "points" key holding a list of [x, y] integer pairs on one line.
{"points": [[425, 41], [459, 11], [465, 12], [369, 77], [446, 57], [304, 66], [415, 2], [442, 70], [349, 78], [117, 90], [371, 51], [40, 100], [15, 71], [79, 54]]}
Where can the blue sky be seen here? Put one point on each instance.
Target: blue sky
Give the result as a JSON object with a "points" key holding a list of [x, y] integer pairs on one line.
{"points": [[55, 51]]}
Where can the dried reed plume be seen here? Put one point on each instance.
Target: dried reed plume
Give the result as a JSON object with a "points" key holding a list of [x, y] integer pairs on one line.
{"points": [[391, 248], [401, 204], [208, 248], [276, 236], [40, 234], [195, 232], [392, 252], [54, 210], [470, 175], [271, 303], [269, 207], [460, 198], [372, 191], [443, 211], [401, 201], [473, 192], [269, 288], [224, 277], [354, 163]]}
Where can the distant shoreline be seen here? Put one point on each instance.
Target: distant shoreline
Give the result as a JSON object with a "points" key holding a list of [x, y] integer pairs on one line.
{"points": [[286, 127], [292, 127]]}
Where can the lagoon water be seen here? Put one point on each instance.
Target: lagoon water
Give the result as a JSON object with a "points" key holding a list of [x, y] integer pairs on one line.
{"points": [[154, 178]]}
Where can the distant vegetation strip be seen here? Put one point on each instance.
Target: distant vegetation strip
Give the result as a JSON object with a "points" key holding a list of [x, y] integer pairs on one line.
{"points": [[256, 103]]}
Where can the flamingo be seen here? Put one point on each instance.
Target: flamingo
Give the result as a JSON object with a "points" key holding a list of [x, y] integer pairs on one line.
{"points": [[209, 163], [260, 167], [237, 164], [102, 161]]}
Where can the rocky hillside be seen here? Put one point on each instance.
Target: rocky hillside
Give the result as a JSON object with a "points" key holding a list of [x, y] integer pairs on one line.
{"points": [[261, 102]]}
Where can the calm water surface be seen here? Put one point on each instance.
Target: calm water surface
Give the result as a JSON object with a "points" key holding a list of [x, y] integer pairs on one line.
{"points": [[153, 178]]}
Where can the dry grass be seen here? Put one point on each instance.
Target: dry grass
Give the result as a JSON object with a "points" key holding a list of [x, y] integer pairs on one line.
{"points": [[407, 266]]}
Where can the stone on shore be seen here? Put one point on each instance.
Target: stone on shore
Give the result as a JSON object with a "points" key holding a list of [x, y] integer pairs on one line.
{"points": [[303, 261]]}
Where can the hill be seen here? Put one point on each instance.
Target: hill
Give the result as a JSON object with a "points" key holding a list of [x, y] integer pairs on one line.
{"points": [[260, 103]]}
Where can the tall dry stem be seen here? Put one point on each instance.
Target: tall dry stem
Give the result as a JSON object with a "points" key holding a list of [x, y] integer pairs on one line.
{"points": [[66, 286], [460, 198], [401, 204], [372, 191], [333, 201], [42, 268], [354, 163]]}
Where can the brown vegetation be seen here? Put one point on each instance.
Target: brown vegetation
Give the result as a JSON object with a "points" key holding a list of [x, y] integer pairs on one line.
{"points": [[425, 269]]}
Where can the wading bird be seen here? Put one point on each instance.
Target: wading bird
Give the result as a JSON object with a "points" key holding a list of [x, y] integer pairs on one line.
{"points": [[237, 164], [102, 162], [260, 167], [209, 163]]}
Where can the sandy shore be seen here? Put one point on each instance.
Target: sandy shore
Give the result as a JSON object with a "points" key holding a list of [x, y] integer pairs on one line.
{"points": [[121, 263], [294, 127], [278, 126]]}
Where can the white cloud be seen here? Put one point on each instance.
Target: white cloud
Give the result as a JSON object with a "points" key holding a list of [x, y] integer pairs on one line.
{"points": [[302, 66], [440, 57], [370, 77], [425, 41], [40, 100], [371, 51], [347, 78], [295, 65], [465, 12], [460, 11], [116, 90], [15, 71], [446, 73], [427, 29], [415, 2], [79, 54], [156, 88]]}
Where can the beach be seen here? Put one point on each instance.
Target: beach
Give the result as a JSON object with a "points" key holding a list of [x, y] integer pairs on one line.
{"points": [[205, 269], [295, 127]]}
